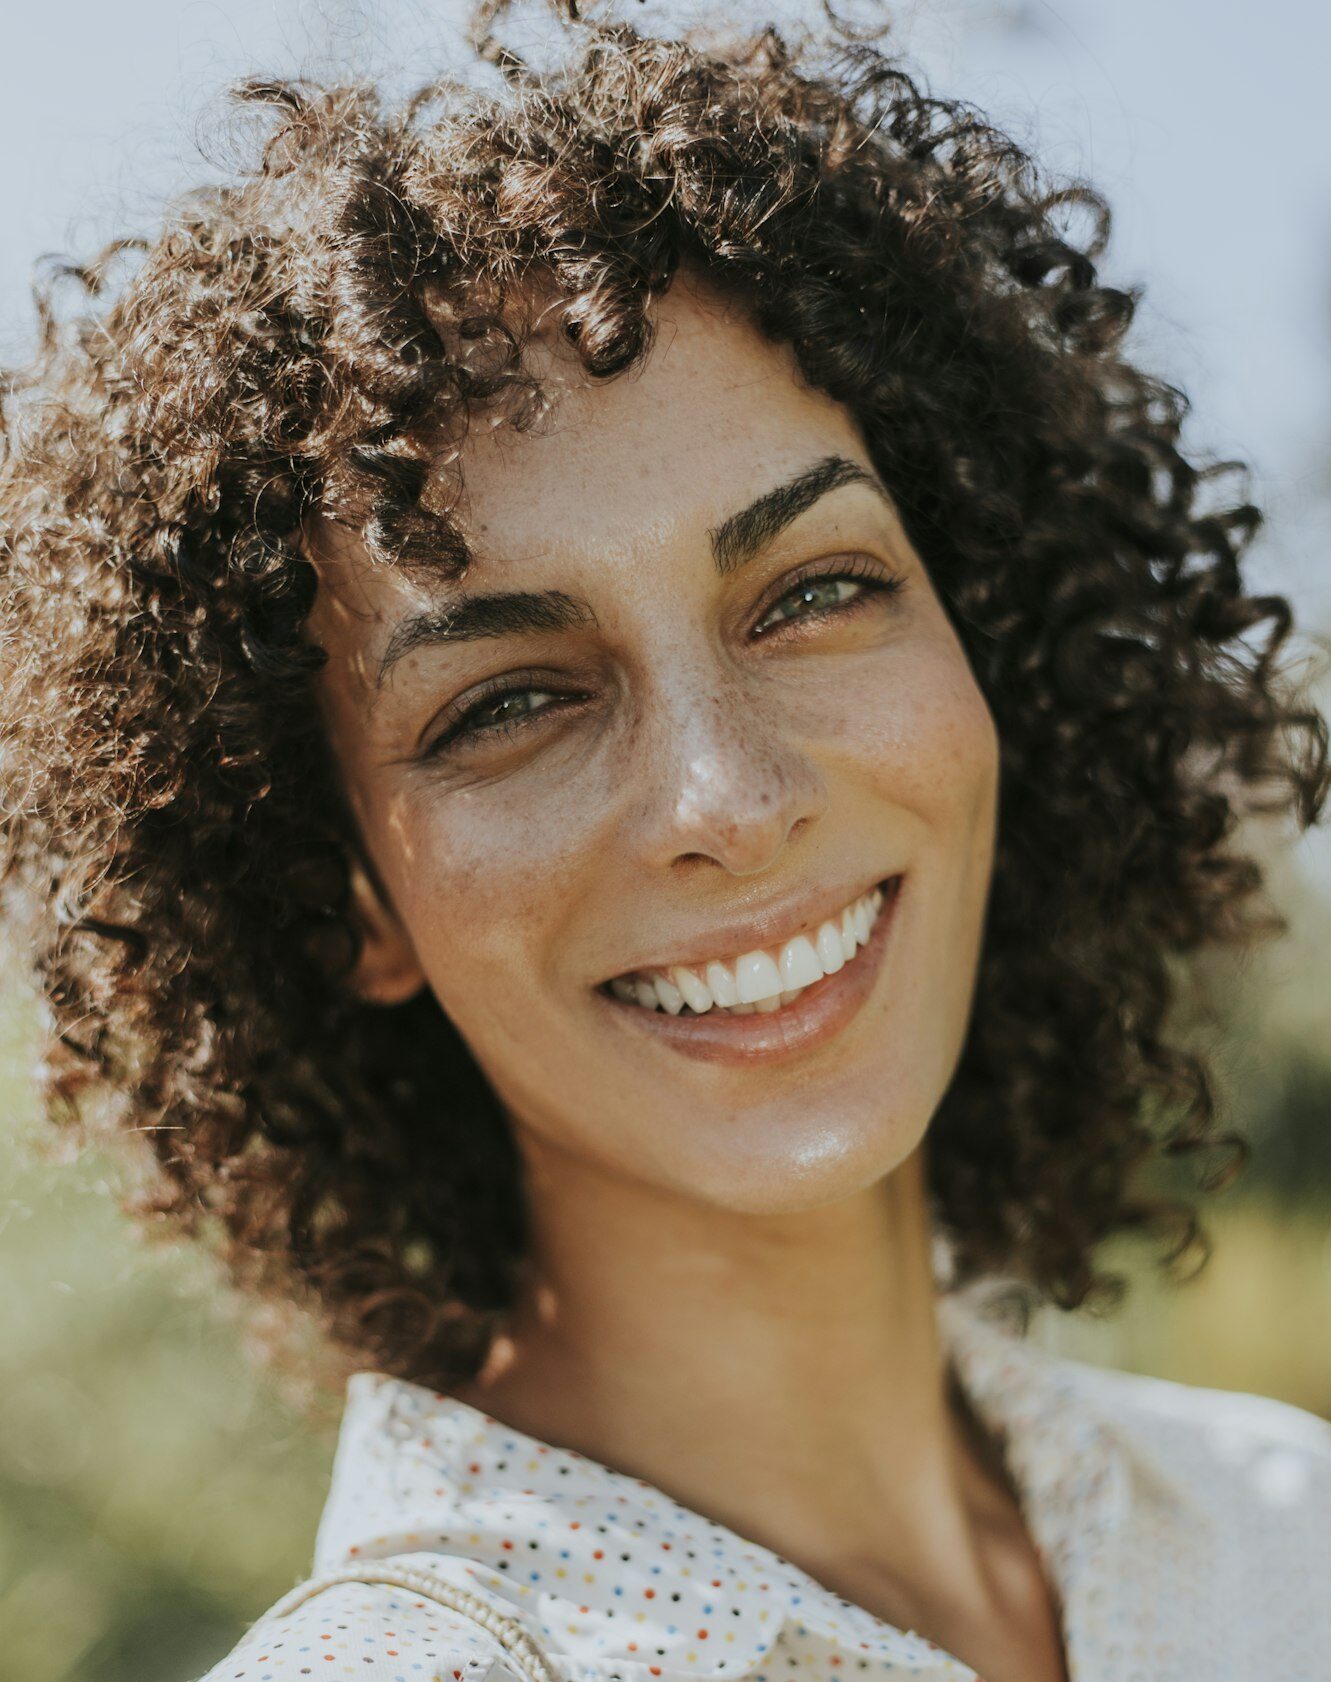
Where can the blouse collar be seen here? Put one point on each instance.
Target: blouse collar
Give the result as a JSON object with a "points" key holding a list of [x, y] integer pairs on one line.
{"points": [[612, 1572]]}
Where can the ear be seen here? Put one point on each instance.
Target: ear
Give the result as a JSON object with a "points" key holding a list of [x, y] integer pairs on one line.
{"points": [[387, 971]]}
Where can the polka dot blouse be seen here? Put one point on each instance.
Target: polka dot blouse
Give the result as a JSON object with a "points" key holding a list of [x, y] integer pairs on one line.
{"points": [[1188, 1532]]}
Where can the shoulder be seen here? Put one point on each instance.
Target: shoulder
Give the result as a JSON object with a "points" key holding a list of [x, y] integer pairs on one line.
{"points": [[374, 1632], [1219, 1505], [1228, 1419], [1243, 1451]]}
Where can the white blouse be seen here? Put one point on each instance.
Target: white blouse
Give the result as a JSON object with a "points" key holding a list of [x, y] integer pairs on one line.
{"points": [[1188, 1532]]}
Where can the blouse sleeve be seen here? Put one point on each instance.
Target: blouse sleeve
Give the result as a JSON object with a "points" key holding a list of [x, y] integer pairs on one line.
{"points": [[366, 1632]]}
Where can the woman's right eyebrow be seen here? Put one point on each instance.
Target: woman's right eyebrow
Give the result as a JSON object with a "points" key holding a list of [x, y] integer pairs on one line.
{"points": [[465, 618]]}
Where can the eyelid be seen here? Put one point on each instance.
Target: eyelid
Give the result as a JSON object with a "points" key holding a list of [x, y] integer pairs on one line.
{"points": [[862, 567], [492, 690]]}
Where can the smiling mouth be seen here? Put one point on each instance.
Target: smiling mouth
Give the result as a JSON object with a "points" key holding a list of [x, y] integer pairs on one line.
{"points": [[765, 980]]}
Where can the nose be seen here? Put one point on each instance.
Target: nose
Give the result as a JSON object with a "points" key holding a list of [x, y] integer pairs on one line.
{"points": [[719, 774]]}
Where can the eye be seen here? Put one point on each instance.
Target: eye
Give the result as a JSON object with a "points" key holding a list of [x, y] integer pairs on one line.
{"points": [[509, 710], [819, 593]]}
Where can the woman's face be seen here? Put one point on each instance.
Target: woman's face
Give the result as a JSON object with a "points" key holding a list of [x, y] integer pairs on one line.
{"points": [[718, 733]]}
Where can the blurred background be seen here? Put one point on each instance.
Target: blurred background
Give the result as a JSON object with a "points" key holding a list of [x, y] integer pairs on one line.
{"points": [[156, 1493]]}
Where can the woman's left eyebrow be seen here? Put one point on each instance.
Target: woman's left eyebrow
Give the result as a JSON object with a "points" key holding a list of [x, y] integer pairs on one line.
{"points": [[742, 536]]}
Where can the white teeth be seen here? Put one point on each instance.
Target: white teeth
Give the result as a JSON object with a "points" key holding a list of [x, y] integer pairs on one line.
{"points": [[756, 981], [757, 978], [721, 985], [696, 995], [830, 955], [798, 963]]}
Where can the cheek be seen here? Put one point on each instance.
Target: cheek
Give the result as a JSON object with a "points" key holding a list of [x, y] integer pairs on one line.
{"points": [[482, 880], [916, 727]]}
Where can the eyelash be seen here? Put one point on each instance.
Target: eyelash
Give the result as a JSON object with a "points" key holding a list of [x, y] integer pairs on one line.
{"points": [[462, 732]]}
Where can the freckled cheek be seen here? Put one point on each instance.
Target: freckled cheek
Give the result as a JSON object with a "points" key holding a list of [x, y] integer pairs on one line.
{"points": [[919, 729], [497, 887]]}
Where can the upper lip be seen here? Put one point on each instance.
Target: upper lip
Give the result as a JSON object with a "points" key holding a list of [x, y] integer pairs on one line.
{"points": [[770, 927]]}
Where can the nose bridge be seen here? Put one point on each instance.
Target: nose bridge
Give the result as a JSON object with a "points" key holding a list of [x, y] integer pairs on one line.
{"points": [[718, 768]]}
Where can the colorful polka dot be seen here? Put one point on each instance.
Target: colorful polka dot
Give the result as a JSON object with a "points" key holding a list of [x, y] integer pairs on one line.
{"points": [[1185, 1531]]}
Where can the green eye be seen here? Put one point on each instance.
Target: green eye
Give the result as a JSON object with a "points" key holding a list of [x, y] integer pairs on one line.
{"points": [[819, 594], [504, 710], [508, 710]]}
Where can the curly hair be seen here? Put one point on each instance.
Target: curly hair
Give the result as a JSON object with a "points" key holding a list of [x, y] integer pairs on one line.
{"points": [[299, 340]]}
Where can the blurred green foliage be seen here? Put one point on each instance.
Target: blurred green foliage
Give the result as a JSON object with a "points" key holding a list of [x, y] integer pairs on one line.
{"points": [[157, 1493]]}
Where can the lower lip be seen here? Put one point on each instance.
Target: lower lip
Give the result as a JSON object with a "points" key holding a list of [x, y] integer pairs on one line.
{"points": [[822, 1010]]}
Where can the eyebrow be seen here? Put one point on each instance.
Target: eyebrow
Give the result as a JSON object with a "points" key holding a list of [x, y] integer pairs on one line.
{"points": [[739, 538], [508, 613], [746, 534]]}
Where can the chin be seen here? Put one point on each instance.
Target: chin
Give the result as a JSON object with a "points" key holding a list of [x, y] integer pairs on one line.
{"points": [[757, 1163]]}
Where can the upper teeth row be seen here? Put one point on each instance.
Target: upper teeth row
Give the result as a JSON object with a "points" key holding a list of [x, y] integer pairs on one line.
{"points": [[758, 979]]}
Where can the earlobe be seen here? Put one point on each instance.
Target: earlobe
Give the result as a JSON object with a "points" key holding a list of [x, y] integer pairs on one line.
{"points": [[387, 971]]}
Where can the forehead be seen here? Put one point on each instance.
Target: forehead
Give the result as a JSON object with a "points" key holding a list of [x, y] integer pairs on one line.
{"points": [[643, 462], [715, 410]]}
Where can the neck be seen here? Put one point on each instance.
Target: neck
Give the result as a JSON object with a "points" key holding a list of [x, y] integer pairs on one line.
{"points": [[781, 1374]]}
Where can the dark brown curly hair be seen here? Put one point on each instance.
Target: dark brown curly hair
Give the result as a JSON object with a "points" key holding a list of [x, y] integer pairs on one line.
{"points": [[299, 341]]}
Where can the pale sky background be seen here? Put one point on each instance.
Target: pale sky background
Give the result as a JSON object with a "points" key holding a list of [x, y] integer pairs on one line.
{"points": [[1207, 127]]}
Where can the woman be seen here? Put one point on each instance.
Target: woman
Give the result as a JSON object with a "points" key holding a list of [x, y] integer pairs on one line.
{"points": [[618, 700]]}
